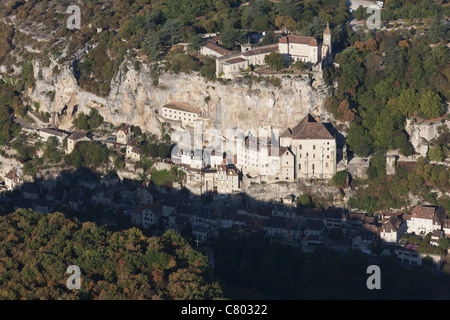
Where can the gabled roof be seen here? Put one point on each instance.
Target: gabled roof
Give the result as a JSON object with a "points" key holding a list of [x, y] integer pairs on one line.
{"points": [[155, 208], [311, 41], [308, 128], [437, 214], [53, 132], [218, 48], [261, 50], [77, 135], [182, 106], [392, 224]]}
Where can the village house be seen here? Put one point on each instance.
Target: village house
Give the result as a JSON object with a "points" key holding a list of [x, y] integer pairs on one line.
{"points": [[148, 215], [446, 227], [43, 206], [424, 219], [74, 138], [334, 219], [313, 234], [146, 193], [256, 56], [206, 215], [76, 199], [13, 179], [229, 68], [124, 134], [436, 235], [133, 152], [209, 180], [103, 195], [169, 205], [392, 229], [227, 180], [201, 231]]}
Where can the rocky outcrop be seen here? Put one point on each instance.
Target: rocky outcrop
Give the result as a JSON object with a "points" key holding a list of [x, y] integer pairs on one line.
{"points": [[134, 98], [422, 132]]}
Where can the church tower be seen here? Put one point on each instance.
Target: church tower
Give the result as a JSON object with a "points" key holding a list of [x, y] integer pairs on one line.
{"points": [[327, 38]]}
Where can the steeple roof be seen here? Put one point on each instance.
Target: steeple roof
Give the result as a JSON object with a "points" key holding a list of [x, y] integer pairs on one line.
{"points": [[327, 30]]}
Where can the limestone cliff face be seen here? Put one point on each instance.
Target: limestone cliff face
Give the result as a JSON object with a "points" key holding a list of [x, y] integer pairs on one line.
{"points": [[134, 99], [421, 133]]}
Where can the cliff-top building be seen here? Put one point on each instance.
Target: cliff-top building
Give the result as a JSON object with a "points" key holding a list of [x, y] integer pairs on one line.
{"points": [[292, 47]]}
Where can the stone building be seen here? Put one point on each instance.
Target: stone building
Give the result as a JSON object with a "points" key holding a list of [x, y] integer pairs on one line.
{"points": [[314, 148], [74, 138], [179, 111], [124, 134], [292, 47]]}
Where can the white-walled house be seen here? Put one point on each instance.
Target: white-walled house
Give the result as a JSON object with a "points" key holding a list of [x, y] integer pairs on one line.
{"points": [[424, 219], [392, 229], [124, 134], [133, 152]]}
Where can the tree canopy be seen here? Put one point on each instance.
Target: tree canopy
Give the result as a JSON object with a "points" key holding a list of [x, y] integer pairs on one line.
{"points": [[36, 249]]}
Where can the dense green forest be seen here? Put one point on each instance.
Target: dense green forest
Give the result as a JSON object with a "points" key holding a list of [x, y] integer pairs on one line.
{"points": [[384, 79], [252, 268], [36, 249], [152, 27]]}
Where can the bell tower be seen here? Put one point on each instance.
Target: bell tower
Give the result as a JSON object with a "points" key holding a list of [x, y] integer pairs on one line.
{"points": [[327, 38]]}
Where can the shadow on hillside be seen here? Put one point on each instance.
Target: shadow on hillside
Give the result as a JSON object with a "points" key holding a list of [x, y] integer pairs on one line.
{"points": [[251, 225]]}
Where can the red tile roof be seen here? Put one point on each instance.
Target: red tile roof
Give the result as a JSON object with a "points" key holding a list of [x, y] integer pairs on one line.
{"points": [[261, 50], [299, 40]]}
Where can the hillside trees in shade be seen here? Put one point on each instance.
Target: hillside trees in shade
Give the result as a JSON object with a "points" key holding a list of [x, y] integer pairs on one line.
{"points": [[253, 268], [36, 249]]}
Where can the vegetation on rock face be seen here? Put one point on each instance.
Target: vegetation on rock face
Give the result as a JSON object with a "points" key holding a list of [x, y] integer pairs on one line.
{"points": [[383, 192], [36, 249]]}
